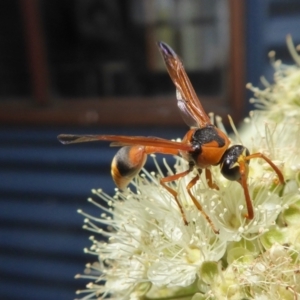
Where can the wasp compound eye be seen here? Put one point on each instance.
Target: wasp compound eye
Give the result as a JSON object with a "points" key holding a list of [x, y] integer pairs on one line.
{"points": [[230, 167]]}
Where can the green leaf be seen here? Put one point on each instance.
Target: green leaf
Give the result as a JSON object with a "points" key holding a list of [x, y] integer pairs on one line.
{"points": [[274, 235], [208, 271]]}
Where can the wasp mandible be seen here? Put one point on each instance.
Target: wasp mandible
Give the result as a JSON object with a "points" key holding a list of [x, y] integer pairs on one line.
{"points": [[203, 146]]}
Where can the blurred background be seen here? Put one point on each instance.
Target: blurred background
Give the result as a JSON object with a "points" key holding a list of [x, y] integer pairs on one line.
{"points": [[92, 66]]}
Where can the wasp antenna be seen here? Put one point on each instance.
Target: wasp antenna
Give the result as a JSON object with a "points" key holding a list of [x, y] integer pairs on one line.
{"points": [[273, 166], [243, 182], [235, 130]]}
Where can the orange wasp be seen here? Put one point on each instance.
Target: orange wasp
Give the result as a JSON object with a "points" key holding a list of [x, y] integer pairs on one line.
{"points": [[203, 146]]}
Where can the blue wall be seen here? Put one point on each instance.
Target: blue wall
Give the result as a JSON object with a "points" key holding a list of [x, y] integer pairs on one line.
{"points": [[42, 184]]}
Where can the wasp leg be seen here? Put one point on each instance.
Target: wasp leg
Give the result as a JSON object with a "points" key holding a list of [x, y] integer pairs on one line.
{"points": [[274, 167], [163, 182], [243, 181], [197, 204], [209, 180]]}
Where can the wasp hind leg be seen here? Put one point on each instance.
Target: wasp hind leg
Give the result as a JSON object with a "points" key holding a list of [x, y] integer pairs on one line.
{"points": [[197, 204], [170, 178], [209, 180]]}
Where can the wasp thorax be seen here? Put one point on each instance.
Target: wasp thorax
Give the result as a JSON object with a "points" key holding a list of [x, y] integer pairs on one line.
{"points": [[230, 167], [207, 135]]}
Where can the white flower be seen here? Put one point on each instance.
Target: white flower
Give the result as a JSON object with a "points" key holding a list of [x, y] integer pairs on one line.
{"points": [[272, 275], [149, 244], [145, 251]]}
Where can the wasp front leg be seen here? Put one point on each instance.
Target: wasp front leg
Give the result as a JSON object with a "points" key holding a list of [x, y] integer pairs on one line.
{"points": [[209, 180]]}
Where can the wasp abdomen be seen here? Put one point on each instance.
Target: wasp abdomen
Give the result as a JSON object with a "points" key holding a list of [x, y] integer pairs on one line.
{"points": [[126, 164]]}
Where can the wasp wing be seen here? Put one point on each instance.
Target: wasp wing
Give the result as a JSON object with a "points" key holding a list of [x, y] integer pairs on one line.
{"points": [[189, 105], [185, 113], [120, 140]]}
